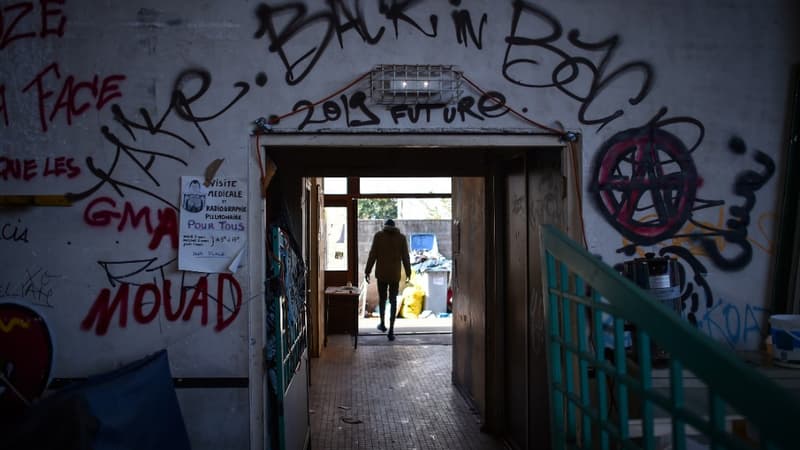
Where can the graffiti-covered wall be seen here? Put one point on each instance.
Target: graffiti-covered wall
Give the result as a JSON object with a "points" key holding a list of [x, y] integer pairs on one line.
{"points": [[680, 105]]}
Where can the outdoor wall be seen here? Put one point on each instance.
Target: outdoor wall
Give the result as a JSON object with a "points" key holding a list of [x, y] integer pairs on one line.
{"points": [[111, 102], [368, 227]]}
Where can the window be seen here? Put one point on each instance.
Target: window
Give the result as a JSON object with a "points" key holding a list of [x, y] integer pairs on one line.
{"points": [[405, 185], [335, 238], [334, 185]]}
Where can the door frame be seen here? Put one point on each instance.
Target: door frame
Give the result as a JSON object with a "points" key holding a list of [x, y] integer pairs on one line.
{"points": [[342, 277], [354, 154]]}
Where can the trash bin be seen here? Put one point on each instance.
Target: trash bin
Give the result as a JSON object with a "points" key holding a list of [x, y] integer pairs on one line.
{"points": [[434, 283], [424, 242]]}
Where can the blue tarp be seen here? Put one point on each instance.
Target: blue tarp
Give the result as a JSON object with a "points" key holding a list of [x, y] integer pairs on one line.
{"points": [[135, 406]]}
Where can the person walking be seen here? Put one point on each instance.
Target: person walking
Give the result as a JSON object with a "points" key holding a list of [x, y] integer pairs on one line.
{"points": [[389, 249]]}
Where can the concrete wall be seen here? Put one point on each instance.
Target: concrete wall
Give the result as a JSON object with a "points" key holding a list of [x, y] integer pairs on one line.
{"points": [[368, 227], [112, 102]]}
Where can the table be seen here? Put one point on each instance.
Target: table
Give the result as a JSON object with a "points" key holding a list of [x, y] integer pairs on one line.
{"points": [[341, 312]]}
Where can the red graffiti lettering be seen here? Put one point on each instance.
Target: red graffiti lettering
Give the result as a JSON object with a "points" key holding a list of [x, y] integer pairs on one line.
{"points": [[68, 102], [149, 298], [103, 212], [135, 218], [3, 105], [13, 15], [10, 168], [61, 166], [172, 315], [17, 22], [103, 310], [199, 299], [28, 169], [139, 303], [109, 90], [167, 226], [222, 322]]}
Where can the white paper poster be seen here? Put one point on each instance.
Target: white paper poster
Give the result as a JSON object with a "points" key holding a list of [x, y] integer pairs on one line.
{"points": [[213, 224]]}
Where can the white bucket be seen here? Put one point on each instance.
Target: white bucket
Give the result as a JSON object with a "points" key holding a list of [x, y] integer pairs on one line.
{"points": [[785, 332]]}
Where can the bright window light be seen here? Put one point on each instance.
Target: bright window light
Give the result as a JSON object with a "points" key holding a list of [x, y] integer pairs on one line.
{"points": [[406, 185]]}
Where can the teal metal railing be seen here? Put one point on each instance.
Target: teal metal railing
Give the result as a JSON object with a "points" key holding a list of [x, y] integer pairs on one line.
{"points": [[601, 329]]}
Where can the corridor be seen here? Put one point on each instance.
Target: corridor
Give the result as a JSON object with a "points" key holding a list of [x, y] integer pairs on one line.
{"points": [[390, 395]]}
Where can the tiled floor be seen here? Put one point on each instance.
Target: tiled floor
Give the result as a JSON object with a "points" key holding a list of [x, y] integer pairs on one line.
{"points": [[390, 395]]}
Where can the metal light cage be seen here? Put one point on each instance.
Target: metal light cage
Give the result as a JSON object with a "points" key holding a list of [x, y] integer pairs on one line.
{"points": [[401, 84]]}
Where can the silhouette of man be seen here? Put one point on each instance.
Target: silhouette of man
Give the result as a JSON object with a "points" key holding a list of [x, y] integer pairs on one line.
{"points": [[389, 248]]}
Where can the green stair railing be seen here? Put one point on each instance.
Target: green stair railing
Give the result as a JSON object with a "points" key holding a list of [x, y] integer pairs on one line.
{"points": [[602, 388]]}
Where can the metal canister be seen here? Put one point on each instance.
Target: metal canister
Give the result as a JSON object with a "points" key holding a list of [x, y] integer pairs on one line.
{"points": [[657, 275]]}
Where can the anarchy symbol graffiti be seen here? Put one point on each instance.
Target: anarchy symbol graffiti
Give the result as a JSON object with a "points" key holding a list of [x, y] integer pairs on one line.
{"points": [[645, 184]]}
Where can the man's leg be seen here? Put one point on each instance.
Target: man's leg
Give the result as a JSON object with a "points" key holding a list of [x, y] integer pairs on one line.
{"points": [[382, 288], [393, 288]]}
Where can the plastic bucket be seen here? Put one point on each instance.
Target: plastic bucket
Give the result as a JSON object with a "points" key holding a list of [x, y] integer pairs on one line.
{"points": [[785, 332]]}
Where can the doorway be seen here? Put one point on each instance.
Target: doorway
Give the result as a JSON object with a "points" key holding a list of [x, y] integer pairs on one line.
{"points": [[355, 209], [478, 164]]}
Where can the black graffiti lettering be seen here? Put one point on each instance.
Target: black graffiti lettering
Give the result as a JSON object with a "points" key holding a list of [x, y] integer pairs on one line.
{"points": [[13, 233], [687, 287], [355, 22], [599, 83], [336, 18], [298, 68], [659, 121], [182, 103], [309, 108], [746, 184], [396, 12], [489, 106], [106, 176], [543, 43], [144, 159], [34, 286], [428, 108], [465, 30], [358, 101], [135, 272], [37, 286], [464, 107], [449, 114], [398, 112], [415, 112], [149, 125], [491, 102], [331, 110], [568, 68], [295, 26]]}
